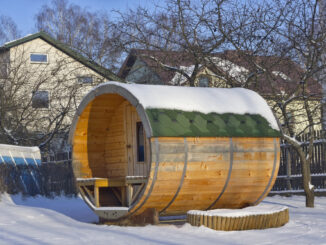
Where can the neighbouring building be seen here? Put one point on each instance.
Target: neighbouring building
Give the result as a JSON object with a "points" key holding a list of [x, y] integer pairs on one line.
{"points": [[272, 77], [41, 84]]}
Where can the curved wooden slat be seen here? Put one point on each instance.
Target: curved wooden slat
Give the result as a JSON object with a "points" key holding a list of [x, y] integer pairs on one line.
{"points": [[268, 186], [182, 177], [228, 178]]}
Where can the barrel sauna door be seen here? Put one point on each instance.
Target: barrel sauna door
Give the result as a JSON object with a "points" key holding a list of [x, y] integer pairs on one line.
{"points": [[136, 143]]}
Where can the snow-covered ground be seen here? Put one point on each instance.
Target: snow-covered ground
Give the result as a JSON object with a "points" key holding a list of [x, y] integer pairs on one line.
{"points": [[69, 221]]}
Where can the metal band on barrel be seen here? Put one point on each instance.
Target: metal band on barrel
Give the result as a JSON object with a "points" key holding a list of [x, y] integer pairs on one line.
{"points": [[157, 154], [272, 175], [182, 177], [228, 177]]}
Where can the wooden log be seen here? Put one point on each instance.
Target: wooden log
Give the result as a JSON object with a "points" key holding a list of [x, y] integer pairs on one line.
{"points": [[231, 220]]}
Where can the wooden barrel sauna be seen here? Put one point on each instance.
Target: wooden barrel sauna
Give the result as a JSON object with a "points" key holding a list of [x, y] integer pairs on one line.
{"points": [[173, 149]]}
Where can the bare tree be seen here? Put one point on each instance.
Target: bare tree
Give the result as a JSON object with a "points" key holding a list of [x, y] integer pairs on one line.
{"points": [[276, 51], [200, 31], [282, 48], [39, 100], [8, 29], [89, 33], [301, 40], [175, 26]]}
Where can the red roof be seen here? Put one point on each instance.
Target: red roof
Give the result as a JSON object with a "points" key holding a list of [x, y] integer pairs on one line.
{"points": [[273, 74]]}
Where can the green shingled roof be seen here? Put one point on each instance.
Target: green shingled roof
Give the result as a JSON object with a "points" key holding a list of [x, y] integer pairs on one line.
{"points": [[176, 123], [64, 48]]}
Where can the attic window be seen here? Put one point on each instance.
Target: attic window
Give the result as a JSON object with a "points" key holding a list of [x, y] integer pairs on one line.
{"points": [[85, 79], [281, 75], [39, 58], [3, 70], [40, 99], [203, 81]]}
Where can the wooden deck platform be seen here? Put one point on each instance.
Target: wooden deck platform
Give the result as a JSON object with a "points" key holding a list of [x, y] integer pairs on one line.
{"points": [[90, 187]]}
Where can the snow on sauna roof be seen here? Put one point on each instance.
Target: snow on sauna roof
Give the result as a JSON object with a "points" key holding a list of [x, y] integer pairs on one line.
{"points": [[205, 100], [174, 111]]}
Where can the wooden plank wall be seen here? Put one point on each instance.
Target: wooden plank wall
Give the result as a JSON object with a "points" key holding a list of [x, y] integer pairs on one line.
{"points": [[102, 113], [135, 168], [208, 182], [91, 133], [115, 145], [100, 146], [80, 153], [253, 162]]}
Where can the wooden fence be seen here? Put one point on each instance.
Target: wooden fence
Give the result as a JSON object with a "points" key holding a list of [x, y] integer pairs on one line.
{"points": [[289, 177], [56, 156], [47, 179], [55, 176]]}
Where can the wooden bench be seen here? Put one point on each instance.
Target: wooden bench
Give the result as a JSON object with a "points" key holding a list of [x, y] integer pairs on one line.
{"points": [[125, 184]]}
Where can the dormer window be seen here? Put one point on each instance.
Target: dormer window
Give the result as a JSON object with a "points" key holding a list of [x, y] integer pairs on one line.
{"points": [[85, 79], [39, 58]]}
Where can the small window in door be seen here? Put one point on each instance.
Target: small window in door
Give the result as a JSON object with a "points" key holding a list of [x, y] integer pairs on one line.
{"points": [[140, 142]]}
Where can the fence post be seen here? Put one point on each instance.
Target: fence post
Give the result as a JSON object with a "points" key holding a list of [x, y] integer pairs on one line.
{"points": [[288, 168]]}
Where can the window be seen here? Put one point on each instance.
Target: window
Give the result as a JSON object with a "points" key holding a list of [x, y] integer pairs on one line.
{"points": [[40, 99], [203, 81], [85, 79], [290, 117], [140, 142], [3, 70], [39, 58]]}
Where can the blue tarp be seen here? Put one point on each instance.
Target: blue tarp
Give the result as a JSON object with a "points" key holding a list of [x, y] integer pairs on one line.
{"points": [[27, 157]]}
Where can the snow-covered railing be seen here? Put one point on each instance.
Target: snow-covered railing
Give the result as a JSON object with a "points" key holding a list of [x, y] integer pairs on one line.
{"points": [[56, 156], [299, 176]]}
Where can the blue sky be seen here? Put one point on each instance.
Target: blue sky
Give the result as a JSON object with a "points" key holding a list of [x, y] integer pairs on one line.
{"points": [[23, 11]]}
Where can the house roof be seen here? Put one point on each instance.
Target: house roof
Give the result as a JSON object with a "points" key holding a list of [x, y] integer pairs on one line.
{"points": [[170, 58], [67, 50], [283, 74], [179, 111]]}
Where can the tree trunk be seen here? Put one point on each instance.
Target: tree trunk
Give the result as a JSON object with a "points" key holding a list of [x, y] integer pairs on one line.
{"points": [[306, 177], [288, 169], [310, 199]]}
